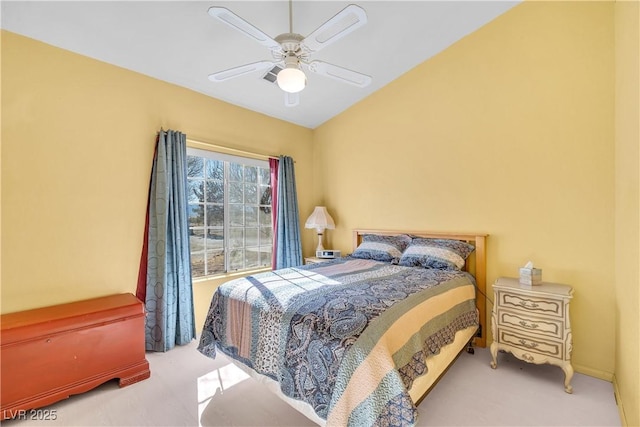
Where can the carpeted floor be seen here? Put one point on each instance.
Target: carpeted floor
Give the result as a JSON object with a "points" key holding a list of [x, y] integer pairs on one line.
{"points": [[189, 389]]}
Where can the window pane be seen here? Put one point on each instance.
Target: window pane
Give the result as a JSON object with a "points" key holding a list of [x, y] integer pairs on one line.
{"points": [[236, 237], [215, 239], [215, 255], [196, 215], [236, 192], [196, 239], [251, 174], [197, 264], [251, 194], [251, 236], [265, 176], [195, 167], [195, 188], [252, 257], [237, 215], [266, 235], [235, 172], [265, 195], [265, 255], [236, 259], [215, 169], [215, 191], [215, 215], [265, 216], [216, 233], [251, 216]]}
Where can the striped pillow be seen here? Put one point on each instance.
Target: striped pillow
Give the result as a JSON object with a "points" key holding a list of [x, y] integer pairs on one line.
{"points": [[382, 248], [442, 254]]}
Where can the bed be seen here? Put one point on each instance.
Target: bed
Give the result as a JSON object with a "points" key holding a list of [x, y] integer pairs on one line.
{"points": [[361, 339]]}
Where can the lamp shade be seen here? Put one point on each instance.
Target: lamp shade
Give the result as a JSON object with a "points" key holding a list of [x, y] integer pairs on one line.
{"points": [[291, 80], [320, 219]]}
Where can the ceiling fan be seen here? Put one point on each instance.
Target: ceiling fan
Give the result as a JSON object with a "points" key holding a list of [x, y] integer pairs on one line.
{"points": [[291, 51]]}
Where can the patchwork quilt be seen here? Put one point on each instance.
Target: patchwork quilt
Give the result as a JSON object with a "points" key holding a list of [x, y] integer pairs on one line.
{"points": [[348, 336]]}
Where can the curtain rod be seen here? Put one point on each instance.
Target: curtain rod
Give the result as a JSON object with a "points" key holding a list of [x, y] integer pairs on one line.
{"points": [[229, 150]]}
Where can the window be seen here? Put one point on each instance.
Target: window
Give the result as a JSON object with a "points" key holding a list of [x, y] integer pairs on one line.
{"points": [[229, 200]]}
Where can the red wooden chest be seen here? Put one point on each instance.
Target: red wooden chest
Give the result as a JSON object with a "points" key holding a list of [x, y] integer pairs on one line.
{"points": [[50, 353]]}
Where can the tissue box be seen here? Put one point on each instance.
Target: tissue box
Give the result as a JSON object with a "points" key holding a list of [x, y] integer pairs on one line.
{"points": [[530, 276]]}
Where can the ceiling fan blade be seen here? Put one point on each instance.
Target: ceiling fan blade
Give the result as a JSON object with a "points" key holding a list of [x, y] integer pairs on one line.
{"points": [[339, 73], [231, 73], [347, 20], [234, 21], [291, 99]]}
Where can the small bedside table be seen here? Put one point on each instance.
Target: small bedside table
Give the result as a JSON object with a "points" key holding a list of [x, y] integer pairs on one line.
{"points": [[532, 323], [316, 260]]}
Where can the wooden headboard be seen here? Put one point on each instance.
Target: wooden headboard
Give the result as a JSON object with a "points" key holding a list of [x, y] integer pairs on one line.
{"points": [[476, 265]]}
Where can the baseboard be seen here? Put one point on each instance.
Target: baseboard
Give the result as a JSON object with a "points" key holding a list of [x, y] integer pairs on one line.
{"points": [[616, 393], [607, 376]]}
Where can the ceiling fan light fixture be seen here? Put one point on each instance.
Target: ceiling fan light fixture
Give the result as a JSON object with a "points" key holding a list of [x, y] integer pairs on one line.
{"points": [[291, 79]]}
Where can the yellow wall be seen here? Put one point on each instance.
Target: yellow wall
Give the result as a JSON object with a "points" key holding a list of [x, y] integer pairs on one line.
{"points": [[78, 138], [526, 130], [627, 197], [508, 132], [0, 170]]}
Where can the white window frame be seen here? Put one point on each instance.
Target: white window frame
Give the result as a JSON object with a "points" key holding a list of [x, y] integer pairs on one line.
{"points": [[246, 161]]}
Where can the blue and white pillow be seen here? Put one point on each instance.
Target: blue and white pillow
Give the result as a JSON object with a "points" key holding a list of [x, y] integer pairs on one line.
{"points": [[442, 254], [382, 248]]}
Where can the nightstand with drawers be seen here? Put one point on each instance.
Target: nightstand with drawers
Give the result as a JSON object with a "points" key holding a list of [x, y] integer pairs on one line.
{"points": [[532, 323]]}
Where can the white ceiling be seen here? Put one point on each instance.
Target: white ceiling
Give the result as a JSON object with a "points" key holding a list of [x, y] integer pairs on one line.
{"points": [[178, 42]]}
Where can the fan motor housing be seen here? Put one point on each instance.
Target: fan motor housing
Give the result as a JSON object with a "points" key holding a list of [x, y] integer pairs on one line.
{"points": [[290, 43]]}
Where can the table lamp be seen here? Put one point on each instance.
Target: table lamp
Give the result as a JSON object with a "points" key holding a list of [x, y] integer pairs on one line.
{"points": [[320, 220]]}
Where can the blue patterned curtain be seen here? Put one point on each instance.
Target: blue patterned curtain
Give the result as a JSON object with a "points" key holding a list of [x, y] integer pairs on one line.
{"points": [[168, 294], [288, 246]]}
